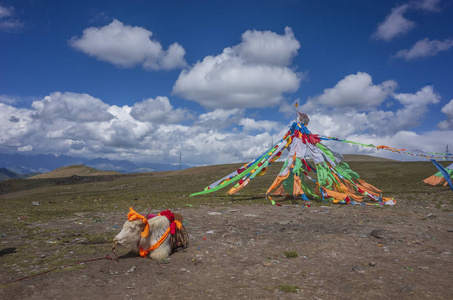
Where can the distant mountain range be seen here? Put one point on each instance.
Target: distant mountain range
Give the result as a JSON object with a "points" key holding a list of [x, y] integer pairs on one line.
{"points": [[23, 164], [7, 174]]}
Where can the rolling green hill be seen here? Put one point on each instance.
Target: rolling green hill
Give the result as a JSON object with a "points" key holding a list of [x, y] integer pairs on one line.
{"points": [[74, 170]]}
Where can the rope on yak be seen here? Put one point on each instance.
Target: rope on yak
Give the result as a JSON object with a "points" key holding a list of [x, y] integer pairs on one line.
{"points": [[171, 229]]}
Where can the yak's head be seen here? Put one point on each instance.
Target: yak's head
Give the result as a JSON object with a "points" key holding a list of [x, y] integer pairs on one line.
{"points": [[130, 235], [133, 230]]}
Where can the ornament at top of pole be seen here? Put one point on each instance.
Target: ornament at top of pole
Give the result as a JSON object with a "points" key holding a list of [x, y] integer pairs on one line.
{"points": [[303, 118], [295, 108]]}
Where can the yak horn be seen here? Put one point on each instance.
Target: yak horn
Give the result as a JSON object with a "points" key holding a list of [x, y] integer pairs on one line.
{"points": [[113, 248]]}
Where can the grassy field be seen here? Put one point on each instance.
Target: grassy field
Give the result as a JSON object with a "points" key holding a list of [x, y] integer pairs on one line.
{"points": [[27, 205], [62, 197]]}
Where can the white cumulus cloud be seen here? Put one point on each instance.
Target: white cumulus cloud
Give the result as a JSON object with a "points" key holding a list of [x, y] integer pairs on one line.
{"points": [[158, 110], [254, 73], [82, 125], [60, 124], [263, 125], [354, 91], [354, 106], [128, 46], [415, 107], [448, 111], [430, 5], [394, 24], [7, 21], [220, 118], [70, 107], [268, 48], [7, 99], [424, 48]]}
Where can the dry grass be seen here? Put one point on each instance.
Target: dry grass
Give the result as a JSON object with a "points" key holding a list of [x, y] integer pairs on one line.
{"points": [[26, 204], [74, 170]]}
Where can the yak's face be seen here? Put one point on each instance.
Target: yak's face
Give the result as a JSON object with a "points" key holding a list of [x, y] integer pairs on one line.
{"points": [[130, 234]]}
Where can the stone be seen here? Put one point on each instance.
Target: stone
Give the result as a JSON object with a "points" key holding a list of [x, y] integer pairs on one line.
{"points": [[359, 269], [408, 288], [377, 233]]}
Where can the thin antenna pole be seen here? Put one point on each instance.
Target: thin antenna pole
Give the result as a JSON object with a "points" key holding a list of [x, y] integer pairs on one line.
{"points": [[446, 153], [179, 159]]}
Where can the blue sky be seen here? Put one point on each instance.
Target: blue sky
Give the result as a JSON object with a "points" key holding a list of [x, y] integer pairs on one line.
{"points": [[217, 81]]}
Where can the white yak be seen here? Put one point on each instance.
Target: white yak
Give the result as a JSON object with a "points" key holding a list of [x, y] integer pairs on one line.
{"points": [[152, 237]]}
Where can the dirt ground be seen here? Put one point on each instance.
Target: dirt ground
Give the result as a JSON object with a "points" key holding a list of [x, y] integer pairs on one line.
{"points": [[267, 252]]}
